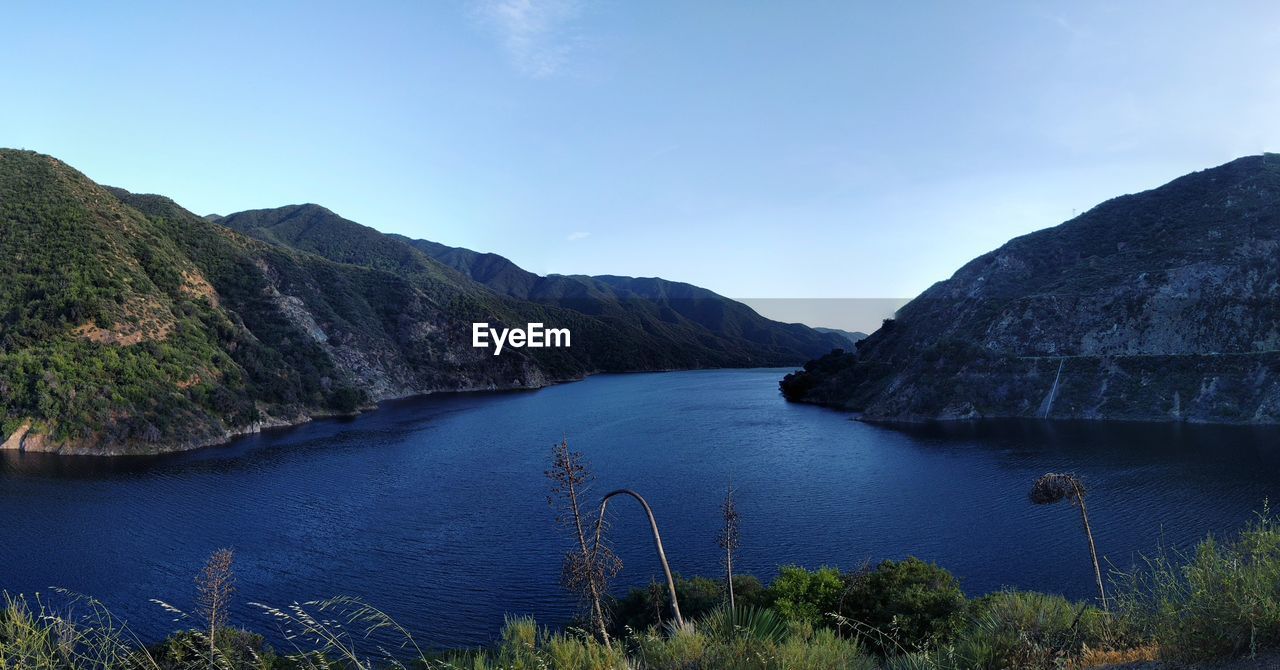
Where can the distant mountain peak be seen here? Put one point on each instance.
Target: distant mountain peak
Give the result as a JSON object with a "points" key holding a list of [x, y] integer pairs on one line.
{"points": [[852, 337]]}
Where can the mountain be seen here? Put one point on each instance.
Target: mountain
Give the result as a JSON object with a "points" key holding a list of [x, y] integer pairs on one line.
{"points": [[643, 301], [1158, 306], [850, 337], [131, 325], [688, 317]]}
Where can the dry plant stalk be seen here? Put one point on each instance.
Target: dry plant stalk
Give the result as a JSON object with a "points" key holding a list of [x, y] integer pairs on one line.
{"points": [[729, 537], [657, 544], [215, 585], [589, 566], [1054, 487]]}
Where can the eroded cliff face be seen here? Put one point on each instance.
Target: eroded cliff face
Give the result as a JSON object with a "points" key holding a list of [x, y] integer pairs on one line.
{"points": [[419, 349], [133, 326], [385, 363], [1163, 305], [1230, 388], [130, 325]]}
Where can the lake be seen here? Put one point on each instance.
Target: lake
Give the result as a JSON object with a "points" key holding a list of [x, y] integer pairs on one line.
{"points": [[434, 509]]}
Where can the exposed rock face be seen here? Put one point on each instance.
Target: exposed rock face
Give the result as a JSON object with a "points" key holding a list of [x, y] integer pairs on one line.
{"points": [[130, 325], [1164, 305], [14, 441], [684, 317]]}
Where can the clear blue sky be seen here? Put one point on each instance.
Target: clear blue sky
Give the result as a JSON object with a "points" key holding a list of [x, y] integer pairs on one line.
{"points": [[763, 150]]}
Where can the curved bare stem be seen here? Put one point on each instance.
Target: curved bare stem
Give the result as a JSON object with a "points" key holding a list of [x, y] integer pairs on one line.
{"points": [[657, 543]]}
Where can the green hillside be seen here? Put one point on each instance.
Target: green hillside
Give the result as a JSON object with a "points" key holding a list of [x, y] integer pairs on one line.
{"points": [[695, 322], [112, 337], [130, 325]]}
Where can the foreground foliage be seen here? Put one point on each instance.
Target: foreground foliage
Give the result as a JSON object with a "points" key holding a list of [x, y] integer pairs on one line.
{"points": [[1223, 599], [1219, 601]]}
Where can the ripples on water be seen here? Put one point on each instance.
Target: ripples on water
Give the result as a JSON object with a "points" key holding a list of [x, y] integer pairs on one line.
{"points": [[434, 509]]}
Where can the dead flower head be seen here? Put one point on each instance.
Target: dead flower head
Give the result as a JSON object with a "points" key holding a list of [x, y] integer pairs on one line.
{"points": [[1055, 487]]}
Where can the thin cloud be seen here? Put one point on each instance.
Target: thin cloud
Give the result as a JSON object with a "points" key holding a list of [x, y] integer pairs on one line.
{"points": [[578, 235], [664, 150], [1066, 25], [535, 33]]}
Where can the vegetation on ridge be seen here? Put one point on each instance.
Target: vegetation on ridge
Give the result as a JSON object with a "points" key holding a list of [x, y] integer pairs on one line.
{"points": [[130, 325], [688, 317]]}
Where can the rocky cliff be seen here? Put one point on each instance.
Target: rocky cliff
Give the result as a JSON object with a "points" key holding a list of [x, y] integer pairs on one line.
{"points": [[1162, 305]]}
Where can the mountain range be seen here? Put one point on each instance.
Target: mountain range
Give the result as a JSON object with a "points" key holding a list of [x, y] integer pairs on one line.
{"points": [[693, 318], [131, 325], [1158, 306], [851, 337]]}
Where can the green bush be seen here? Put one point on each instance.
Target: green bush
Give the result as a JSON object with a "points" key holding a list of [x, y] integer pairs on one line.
{"points": [[684, 648], [645, 608], [808, 597], [525, 646], [907, 604], [824, 650], [759, 645], [763, 625]]}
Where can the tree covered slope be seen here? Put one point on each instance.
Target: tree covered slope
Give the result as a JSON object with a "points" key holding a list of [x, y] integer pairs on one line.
{"points": [[695, 325], [130, 325], [641, 301]]}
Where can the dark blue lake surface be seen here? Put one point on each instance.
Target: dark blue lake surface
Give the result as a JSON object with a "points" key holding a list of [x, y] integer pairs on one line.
{"points": [[434, 509]]}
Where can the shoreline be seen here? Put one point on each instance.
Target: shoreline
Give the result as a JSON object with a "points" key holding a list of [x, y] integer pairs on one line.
{"points": [[274, 423], [915, 420]]}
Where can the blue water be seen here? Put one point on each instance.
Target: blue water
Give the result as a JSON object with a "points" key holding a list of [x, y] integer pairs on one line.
{"points": [[434, 509]]}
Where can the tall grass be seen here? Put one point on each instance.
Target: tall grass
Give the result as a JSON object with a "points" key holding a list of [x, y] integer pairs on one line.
{"points": [[83, 635], [1220, 600], [1032, 630]]}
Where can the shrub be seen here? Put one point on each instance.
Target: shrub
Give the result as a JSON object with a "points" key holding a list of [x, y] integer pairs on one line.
{"points": [[525, 646], [762, 625], [807, 597], [911, 602], [759, 641], [824, 650], [235, 649], [1029, 630], [699, 596], [83, 635], [684, 648]]}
